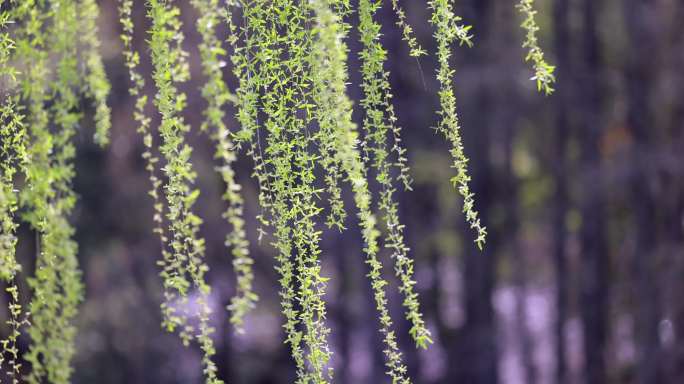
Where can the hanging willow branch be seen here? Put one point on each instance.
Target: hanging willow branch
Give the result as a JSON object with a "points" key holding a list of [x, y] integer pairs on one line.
{"points": [[448, 30], [12, 153], [543, 72], [407, 31], [380, 119], [286, 90], [132, 59], [97, 86], [338, 132], [171, 319], [217, 95], [290, 59], [13, 158], [249, 68], [183, 267], [57, 287]]}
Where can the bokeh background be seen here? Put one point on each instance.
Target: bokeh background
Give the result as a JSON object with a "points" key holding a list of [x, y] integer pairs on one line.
{"points": [[581, 279]]}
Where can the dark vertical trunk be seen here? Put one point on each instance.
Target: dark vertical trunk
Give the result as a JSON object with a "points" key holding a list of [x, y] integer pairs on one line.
{"points": [[594, 295], [340, 310], [433, 298], [560, 200], [477, 359], [506, 114], [675, 210], [641, 21], [677, 357], [676, 371], [512, 227], [435, 308], [224, 355]]}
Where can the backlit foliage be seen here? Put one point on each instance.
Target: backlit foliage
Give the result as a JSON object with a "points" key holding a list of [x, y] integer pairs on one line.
{"points": [[183, 268], [97, 85], [12, 159], [217, 96], [339, 133], [543, 72], [57, 287], [290, 59], [407, 31], [379, 122], [40, 116], [282, 79], [447, 31]]}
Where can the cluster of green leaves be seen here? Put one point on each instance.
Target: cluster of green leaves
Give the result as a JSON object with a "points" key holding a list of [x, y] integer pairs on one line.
{"points": [[379, 121], [217, 96], [407, 31], [12, 153], [183, 267], [282, 42], [448, 30], [12, 159], [12, 149], [97, 86], [290, 58], [57, 287], [132, 60], [136, 89], [543, 72], [7, 45], [250, 71], [45, 99], [339, 133]]}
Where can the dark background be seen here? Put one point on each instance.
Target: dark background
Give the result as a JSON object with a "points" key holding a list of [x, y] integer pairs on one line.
{"points": [[581, 279]]}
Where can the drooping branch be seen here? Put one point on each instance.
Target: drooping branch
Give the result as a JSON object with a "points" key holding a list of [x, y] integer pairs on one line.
{"points": [[184, 267], [217, 96], [448, 31], [96, 83], [339, 133], [12, 160], [136, 89], [379, 121], [290, 58], [56, 285], [285, 102], [543, 72], [407, 31]]}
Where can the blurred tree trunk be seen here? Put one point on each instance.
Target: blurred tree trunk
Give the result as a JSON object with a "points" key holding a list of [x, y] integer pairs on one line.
{"points": [[641, 20], [518, 261], [563, 101], [507, 124], [594, 270], [675, 224], [225, 356], [341, 309], [677, 357]]}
